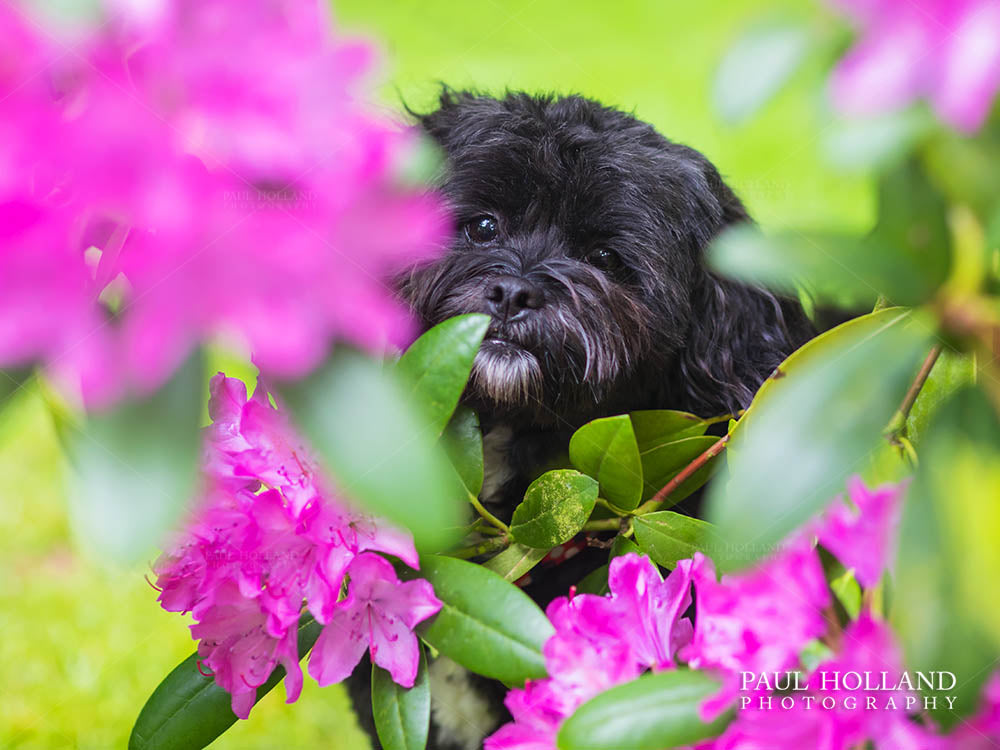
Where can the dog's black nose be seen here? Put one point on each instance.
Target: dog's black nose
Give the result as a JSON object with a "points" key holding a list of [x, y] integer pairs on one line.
{"points": [[510, 298]]}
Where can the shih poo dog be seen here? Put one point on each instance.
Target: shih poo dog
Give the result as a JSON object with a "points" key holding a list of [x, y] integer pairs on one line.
{"points": [[580, 230]]}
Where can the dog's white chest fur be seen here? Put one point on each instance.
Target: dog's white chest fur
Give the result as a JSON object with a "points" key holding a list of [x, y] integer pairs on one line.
{"points": [[463, 716]]}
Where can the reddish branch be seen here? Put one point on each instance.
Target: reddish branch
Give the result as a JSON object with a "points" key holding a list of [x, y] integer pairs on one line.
{"points": [[714, 450]]}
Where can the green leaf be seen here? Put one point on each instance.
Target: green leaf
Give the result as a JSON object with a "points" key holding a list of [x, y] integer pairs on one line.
{"points": [[487, 625], [668, 537], [515, 561], [135, 467], [595, 582], [554, 509], [848, 592], [12, 381], [622, 545], [654, 427], [438, 364], [665, 461], [874, 143], [841, 269], [463, 442], [811, 425], [952, 372], [380, 448], [402, 716], [653, 712], [188, 710], [905, 259], [607, 450], [944, 609], [756, 67]]}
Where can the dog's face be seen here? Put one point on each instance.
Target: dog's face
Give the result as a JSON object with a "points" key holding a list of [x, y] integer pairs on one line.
{"points": [[578, 229]]}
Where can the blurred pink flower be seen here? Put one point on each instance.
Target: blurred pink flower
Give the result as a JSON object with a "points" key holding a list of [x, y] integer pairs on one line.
{"points": [[863, 537], [756, 621], [982, 730], [947, 51], [251, 556], [379, 614], [218, 169]]}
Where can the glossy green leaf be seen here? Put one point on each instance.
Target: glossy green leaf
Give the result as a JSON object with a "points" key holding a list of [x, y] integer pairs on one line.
{"points": [[607, 450], [380, 448], [402, 715], [595, 582], [668, 537], [654, 427], [813, 424], [438, 364], [665, 461], [487, 625], [463, 442], [756, 67], [622, 545], [656, 711], [135, 467], [187, 711], [952, 372], [945, 609], [515, 561], [554, 509]]}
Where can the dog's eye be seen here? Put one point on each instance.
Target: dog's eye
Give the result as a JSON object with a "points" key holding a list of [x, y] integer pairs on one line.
{"points": [[482, 229], [604, 259]]}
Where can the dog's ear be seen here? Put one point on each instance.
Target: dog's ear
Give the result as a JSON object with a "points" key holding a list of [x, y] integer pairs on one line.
{"points": [[442, 124], [738, 334]]}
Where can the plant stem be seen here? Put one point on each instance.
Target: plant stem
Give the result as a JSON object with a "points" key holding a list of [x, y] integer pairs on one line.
{"points": [[898, 422], [656, 500], [475, 550], [603, 524], [487, 516]]}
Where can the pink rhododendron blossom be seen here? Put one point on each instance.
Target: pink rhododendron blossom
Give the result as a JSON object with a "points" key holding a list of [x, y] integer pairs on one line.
{"points": [[268, 537], [379, 615], [864, 537], [982, 730], [756, 621], [947, 51], [600, 642], [197, 169]]}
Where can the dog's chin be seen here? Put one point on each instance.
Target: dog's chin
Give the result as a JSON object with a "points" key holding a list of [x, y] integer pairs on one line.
{"points": [[506, 374]]}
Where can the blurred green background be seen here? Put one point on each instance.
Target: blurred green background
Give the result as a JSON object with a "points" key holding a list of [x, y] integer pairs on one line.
{"points": [[83, 645]]}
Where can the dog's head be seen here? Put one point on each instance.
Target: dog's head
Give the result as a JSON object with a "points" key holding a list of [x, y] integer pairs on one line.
{"points": [[579, 230]]}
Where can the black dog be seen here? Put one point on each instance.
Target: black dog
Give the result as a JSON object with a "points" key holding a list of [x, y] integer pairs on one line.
{"points": [[580, 230]]}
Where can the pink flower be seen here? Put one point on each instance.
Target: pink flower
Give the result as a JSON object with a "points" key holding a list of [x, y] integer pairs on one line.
{"points": [[267, 536], [237, 647], [203, 169], [863, 538], [982, 731], [600, 642], [945, 50], [379, 614], [756, 621]]}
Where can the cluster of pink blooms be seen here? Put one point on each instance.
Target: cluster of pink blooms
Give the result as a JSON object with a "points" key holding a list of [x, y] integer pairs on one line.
{"points": [[268, 535], [196, 168], [759, 621], [947, 51]]}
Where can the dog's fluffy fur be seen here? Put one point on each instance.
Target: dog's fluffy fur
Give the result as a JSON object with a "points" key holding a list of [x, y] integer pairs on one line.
{"points": [[599, 299]]}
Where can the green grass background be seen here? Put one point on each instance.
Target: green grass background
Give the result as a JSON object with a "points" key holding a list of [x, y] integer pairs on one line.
{"points": [[83, 644]]}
